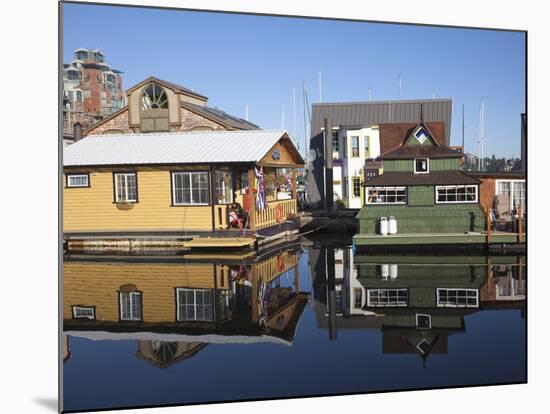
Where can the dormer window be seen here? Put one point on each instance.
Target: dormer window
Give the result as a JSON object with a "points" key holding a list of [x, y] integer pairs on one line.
{"points": [[421, 165], [154, 109], [421, 135]]}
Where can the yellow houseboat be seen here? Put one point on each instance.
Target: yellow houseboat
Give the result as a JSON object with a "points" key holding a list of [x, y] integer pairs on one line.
{"points": [[201, 189]]}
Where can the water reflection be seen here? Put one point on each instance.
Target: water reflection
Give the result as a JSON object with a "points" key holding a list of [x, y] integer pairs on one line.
{"points": [[130, 321], [174, 307], [415, 301]]}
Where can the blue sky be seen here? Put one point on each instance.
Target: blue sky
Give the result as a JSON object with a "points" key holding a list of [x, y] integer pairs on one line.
{"points": [[239, 60]]}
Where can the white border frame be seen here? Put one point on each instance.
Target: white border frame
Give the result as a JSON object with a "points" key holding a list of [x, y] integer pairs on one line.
{"points": [[425, 315], [401, 203], [456, 306], [75, 307], [117, 200], [69, 176], [175, 203], [421, 172], [437, 187]]}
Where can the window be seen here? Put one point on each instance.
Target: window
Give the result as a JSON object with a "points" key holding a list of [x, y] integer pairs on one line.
{"points": [[456, 194], [457, 298], [421, 165], [84, 312], [125, 188], [224, 187], [194, 304], [356, 182], [386, 195], [77, 180], [244, 182], [355, 147], [387, 297], [370, 174], [421, 135], [358, 297], [335, 145], [515, 189], [366, 147], [130, 306], [154, 97], [190, 188], [423, 321]]}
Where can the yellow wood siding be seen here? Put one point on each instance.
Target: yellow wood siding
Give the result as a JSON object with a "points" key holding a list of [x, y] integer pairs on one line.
{"points": [[98, 284], [92, 209]]}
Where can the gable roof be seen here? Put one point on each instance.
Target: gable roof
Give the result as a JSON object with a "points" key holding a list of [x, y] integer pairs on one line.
{"points": [[362, 114], [395, 134], [170, 85], [175, 148]]}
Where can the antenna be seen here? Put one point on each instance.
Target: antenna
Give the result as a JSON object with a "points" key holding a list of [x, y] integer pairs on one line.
{"points": [[294, 109], [400, 86], [304, 105], [482, 136], [320, 89], [463, 128]]}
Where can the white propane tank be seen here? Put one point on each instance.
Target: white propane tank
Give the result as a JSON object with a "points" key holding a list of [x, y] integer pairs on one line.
{"points": [[385, 271], [383, 226], [393, 271], [392, 225]]}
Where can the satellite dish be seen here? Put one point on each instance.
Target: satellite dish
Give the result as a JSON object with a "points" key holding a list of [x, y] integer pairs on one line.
{"points": [[311, 155]]}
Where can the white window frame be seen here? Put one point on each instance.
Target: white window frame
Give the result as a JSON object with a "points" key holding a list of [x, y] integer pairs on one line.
{"points": [[118, 199], [438, 187], [175, 203], [394, 304], [77, 308], [425, 132], [396, 188], [423, 315], [194, 304], [450, 305], [135, 297], [512, 184], [427, 162], [358, 146], [86, 176]]}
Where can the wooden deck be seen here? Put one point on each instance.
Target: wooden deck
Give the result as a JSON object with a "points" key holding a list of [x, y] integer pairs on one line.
{"points": [[437, 238], [219, 242]]}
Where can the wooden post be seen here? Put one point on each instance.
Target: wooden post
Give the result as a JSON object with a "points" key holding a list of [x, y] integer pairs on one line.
{"points": [[252, 198], [294, 183], [520, 225], [488, 226]]}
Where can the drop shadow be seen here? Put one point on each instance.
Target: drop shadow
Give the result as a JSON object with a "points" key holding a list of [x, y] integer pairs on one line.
{"points": [[49, 403]]}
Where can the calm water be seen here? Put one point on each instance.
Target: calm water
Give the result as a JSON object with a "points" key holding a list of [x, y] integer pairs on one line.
{"points": [[299, 320]]}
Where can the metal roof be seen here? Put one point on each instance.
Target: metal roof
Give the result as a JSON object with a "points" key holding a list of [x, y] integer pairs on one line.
{"points": [[362, 114], [220, 116], [201, 147]]}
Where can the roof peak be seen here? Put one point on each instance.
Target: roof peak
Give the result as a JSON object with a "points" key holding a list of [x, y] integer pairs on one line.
{"points": [[388, 101]]}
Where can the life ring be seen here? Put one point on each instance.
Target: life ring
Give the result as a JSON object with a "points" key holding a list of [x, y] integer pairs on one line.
{"points": [[279, 213]]}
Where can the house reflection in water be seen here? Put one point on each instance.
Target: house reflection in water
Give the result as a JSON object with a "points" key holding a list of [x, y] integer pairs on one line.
{"points": [[416, 301], [174, 307]]}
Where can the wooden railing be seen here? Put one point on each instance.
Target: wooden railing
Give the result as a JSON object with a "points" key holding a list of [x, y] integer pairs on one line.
{"points": [[269, 216]]}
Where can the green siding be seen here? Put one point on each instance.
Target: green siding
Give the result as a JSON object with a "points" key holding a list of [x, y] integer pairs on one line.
{"points": [[421, 195], [435, 218], [443, 164]]}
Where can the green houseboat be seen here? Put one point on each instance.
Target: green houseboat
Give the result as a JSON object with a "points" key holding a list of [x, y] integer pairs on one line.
{"points": [[422, 187]]}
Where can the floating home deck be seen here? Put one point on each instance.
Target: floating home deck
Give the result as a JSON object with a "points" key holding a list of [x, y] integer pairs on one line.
{"points": [[496, 238]]}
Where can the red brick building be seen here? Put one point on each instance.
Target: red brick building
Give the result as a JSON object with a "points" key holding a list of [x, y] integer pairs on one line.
{"points": [[92, 89]]}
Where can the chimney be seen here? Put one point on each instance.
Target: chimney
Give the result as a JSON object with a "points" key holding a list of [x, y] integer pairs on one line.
{"points": [[77, 130], [329, 186]]}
